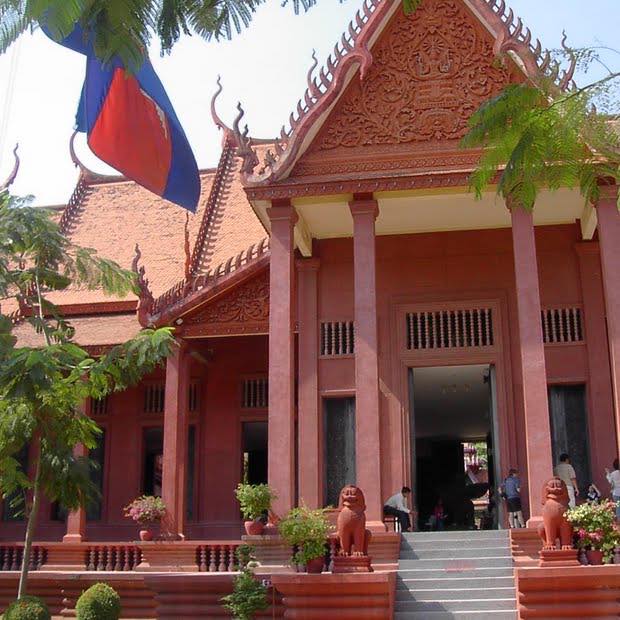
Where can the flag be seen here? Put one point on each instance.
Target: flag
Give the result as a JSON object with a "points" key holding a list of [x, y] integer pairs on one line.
{"points": [[131, 125]]}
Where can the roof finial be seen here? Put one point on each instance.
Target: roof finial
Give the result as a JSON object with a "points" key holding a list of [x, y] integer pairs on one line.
{"points": [[11, 178], [214, 115], [145, 297], [186, 247]]}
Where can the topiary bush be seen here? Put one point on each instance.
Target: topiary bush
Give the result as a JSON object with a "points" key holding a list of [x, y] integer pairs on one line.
{"points": [[99, 602], [27, 608]]}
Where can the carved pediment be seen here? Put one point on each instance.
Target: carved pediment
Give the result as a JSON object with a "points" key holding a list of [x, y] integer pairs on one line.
{"points": [[431, 70], [242, 310]]}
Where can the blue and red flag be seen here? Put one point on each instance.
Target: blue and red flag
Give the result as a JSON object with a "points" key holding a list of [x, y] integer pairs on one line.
{"points": [[132, 126]]}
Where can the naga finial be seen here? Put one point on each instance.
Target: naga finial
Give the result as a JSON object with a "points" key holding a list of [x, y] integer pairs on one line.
{"points": [[11, 178], [214, 115]]}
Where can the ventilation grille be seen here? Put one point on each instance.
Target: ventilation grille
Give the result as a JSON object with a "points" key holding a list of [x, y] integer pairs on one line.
{"points": [[192, 402], [154, 396], [337, 338], [255, 393], [450, 329], [99, 406], [562, 325]]}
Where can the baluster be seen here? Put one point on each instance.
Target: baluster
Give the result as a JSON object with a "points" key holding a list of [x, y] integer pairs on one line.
{"points": [[100, 558], [109, 564], [2, 558], [17, 557], [563, 325], [117, 557], [419, 323], [202, 554], [332, 553], [91, 559], [488, 326], [332, 338], [472, 327], [410, 330], [222, 565], [231, 558], [212, 565], [544, 325], [574, 314], [554, 328], [479, 327], [137, 557]]}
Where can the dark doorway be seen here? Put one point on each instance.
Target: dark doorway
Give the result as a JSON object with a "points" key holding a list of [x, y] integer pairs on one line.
{"points": [[254, 442], [454, 459], [152, 455]]}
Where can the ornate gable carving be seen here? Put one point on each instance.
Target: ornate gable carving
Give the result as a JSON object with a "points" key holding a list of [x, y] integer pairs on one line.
{"points": [[243, 310], [431, 71]]}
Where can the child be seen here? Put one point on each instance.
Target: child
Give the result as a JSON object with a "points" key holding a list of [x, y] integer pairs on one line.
{"points": [[510, 490], [594, 495], [439, 516]]}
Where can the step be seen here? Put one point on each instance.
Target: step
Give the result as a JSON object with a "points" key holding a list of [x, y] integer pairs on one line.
{"points": [[449, 593], [456, 615], [455, 553], [461, 543], [421, 571], [458, 534], [443, 583], [498, 604], [457, 564]]}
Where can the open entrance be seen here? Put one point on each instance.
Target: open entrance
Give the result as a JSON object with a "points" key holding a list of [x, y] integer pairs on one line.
{"points": [[454, 462], [254, 438]]}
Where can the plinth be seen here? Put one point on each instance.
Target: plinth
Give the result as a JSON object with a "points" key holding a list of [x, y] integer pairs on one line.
{"points": [[352, 564], [550, 558]]}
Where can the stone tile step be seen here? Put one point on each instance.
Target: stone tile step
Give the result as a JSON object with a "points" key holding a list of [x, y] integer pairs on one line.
{"points": [[456, 594], [444, 583], [420, 571], [505, 604], [457, 534], [460, 543], [462, 563], [454, 553], [456, 615]]}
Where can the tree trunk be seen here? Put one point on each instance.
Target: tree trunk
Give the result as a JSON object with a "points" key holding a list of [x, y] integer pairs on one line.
{"points": [[32, 520]]}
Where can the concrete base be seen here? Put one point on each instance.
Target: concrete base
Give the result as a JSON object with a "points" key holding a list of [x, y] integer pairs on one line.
{"points": [[558, 558], [352, 564]]}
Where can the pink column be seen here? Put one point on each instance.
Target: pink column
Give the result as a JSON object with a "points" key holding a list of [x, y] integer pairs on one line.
{"points": [[281, 443], [76, 520], [609, 241], [532, 359], [364, 210], [175, 439], [309, 417]]}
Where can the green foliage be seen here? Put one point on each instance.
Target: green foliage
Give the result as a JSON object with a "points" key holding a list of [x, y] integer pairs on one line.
{"points": [[536, 136], [307, 530], [595, 527], [27, 608], [254, 499], [248, 597], [244, 555], [146, 509], [99, 602]]}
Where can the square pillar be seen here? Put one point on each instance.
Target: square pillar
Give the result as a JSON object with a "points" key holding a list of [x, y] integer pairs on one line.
{"points": [[364, 210], [76, 520], [609, 243], [309, 414], [281, 417], [174, 474], [531, 358]]}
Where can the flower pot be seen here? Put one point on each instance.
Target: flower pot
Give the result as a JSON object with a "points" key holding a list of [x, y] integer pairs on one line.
{"points": [[254, 528], [315, 566], [595, 557], [146, 535]]}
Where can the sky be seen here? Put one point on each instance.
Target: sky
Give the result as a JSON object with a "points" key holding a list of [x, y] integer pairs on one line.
{"points": [[265, 68]]}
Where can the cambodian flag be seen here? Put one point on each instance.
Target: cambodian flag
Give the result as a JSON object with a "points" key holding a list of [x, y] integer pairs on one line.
{"points": [[131, 125]]}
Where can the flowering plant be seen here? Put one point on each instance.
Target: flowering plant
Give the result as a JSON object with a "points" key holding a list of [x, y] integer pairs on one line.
{"points": [[595, 527], [146, 509]]}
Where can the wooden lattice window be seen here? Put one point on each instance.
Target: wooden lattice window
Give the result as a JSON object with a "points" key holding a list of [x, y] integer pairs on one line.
{"points": [[562, 325], [99, 406], [450, 329], [255, 393], [192, 402], [337, 338], [154, 397]]}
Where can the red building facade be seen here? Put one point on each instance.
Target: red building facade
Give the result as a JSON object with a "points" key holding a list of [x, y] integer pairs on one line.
{"points": [[346, 311]]}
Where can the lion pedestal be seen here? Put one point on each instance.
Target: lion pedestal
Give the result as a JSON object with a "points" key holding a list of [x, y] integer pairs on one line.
{"points": [[555, 526], [352, 533]]}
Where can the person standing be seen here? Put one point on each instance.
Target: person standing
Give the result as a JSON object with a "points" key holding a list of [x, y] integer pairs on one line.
{"points": [[511, 491], [566, 472], [396, 506], [613, 478]]}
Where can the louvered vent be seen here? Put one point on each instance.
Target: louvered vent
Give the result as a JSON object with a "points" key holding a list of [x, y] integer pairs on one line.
{"points": [[193, 397], [99, 406], [337, 338], [154, 395], [450, 329], [255, 393], [562, 325]]}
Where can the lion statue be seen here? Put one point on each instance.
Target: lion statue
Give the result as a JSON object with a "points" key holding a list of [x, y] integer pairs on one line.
{"points": [[555, 525], [351, 523]]}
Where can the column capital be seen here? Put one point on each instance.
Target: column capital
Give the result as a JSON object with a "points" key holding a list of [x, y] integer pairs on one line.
{"points": [[587, 247], [307, 264], [282, 210], [364, 206]]}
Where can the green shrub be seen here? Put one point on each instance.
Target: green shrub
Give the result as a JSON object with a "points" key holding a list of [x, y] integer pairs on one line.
{"points": [[99, 602], [248, 597], [307, 530], [254, 499], [27, 608]]}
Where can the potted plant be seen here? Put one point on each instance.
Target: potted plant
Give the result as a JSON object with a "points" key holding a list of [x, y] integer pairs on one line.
{"points": [[146, 511], [307, 531], [595, 530], [255, 501], [248, 597]]}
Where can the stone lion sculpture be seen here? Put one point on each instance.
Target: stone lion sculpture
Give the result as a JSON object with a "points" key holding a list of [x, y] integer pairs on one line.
{"points": [[555, 503], [351, 523]]}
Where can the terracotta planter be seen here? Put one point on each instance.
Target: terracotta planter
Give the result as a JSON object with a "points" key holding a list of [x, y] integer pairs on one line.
{"points": [[315, 566], [146, 535], [254, 528], [595, 557]]}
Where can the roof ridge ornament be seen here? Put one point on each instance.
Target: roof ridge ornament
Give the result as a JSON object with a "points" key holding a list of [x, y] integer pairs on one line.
{"points": [[145, 297], [85, 171], [13, 175]]}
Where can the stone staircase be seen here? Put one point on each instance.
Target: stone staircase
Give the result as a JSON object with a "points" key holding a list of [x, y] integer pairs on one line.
{"points": [[461, 575]]}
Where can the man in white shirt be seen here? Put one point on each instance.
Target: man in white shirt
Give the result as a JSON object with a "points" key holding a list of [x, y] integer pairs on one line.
{"points": [[613, 478], [565, 471], [397, 506]]}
